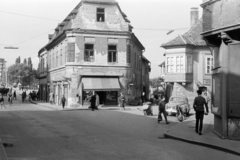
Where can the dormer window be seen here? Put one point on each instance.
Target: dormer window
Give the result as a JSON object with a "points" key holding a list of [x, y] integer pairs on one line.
{"points": [[100, 15]]}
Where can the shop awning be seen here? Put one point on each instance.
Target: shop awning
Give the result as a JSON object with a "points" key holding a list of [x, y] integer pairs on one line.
{"points": [[100, 84]]}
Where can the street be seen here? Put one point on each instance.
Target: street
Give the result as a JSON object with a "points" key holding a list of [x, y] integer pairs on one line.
{"points": [[40, 133]]}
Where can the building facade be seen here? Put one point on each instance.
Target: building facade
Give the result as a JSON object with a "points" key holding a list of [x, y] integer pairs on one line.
{"points": [[188, 62], [3, 72], [93, 49], [221, 28]]}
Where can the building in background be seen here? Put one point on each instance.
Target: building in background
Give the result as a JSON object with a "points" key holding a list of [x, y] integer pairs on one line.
{"points": [[3, 72], [188, 62], [93, 49], [221, 28]]}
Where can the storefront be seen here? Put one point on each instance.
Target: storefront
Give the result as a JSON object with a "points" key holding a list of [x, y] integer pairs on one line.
{"points": [[107, 88]]}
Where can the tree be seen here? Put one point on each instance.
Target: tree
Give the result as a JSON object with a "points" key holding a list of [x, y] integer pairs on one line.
{"points": [[30, 62], [18, 60], [156, 82], [21, 73], [25, 61]]}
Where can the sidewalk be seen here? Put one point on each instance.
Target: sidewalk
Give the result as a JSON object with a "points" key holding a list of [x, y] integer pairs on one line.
{"points": [[185, 131], [84, 107]]}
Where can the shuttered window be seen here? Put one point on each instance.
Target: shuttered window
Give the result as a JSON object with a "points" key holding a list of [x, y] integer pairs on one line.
{"points": [[128, 54], [71, 52]]}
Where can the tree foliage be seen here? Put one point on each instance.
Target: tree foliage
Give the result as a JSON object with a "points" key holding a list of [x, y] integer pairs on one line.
{"points": [[18, 60], [156, 82], [22, 73], [25, 61], [30, 62]]}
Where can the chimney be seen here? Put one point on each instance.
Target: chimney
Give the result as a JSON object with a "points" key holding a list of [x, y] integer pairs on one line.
{"points": [[194, 16], [50, 37]]}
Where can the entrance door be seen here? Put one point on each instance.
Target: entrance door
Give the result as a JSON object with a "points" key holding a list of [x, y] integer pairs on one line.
{"points": [[111, 98]]}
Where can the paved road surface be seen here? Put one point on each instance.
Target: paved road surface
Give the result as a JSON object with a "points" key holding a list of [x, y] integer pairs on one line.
{"points": [[40, 133]]}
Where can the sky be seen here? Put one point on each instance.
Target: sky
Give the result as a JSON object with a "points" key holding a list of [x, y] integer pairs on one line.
{"points": [[27, 23]]}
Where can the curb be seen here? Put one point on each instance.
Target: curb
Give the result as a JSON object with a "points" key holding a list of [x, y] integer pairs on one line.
{"points": [[42, 105], [3, 154], [166, 135], [67, 109]]}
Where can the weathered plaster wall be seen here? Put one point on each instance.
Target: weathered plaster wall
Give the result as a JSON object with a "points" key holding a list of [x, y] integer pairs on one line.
{"points": [[86, 18], [220, 14], [101, 51]]}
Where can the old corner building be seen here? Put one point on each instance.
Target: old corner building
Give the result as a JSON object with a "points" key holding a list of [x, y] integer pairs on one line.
{"points": [[93, 49], [221, 31]]}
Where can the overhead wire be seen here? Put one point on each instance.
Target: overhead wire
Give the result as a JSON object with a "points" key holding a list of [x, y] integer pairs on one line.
{"points": [[29, 16], [18, 14]]}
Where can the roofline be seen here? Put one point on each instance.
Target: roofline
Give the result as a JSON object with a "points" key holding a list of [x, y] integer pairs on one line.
{"points": [[161, 64], [138, 42], [144, 58], [99, 2], [182, 45]]}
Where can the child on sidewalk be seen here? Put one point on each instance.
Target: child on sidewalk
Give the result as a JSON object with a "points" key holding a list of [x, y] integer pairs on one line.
{"points": [[2, 102]]}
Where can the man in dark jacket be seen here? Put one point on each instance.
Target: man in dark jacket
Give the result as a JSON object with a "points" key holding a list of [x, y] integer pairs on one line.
{"points": [[198, 106], [162, 109], [93, 102]]}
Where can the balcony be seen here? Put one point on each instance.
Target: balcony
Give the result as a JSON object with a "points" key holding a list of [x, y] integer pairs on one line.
{"points": [[179, 77]]}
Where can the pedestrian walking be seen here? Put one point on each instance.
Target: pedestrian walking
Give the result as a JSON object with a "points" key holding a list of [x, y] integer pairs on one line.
{"points": [[97, 100], [63, 100], [162, 109], [198, 106], [10, 97], [2, 102], [24, 95], [93, 102], [51, 98], [14, 95], [121, 101]]}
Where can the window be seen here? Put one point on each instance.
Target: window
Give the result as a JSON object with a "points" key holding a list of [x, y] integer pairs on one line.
{"points": [[57, 59], [209, 64], [61, 57], [65, 58], [50, 61], [71, 52], [189, 64], [89, 53], [112, 53], [53, 61], [100, 15], [128, 54], [170, 64], [180, 64]]}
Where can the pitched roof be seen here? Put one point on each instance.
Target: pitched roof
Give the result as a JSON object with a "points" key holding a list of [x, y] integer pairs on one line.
{"points": [[100, 1], [191, 37]]}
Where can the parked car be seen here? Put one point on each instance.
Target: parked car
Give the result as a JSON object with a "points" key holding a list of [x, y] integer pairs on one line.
{"points": [[177, 100]]}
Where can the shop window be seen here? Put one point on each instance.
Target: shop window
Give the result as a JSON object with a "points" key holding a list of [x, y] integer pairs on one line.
{"points": [[100, 15], [89, 53], [112, 53]]}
